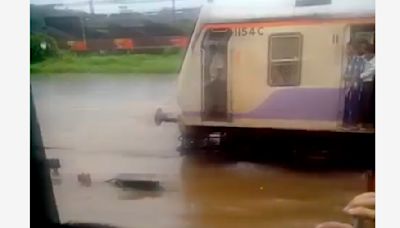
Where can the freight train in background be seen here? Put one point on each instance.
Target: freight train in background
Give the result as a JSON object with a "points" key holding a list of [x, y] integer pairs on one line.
{"points": [[103, 35], [128, 44], [121, 32]]}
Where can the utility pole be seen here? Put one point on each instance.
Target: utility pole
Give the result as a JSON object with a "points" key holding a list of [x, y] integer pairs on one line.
{"points": [[83, 26], [91, 6], [173, 12]]}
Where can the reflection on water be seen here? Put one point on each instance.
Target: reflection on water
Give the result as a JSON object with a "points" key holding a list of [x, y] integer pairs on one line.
{"points": [[104, 126]]}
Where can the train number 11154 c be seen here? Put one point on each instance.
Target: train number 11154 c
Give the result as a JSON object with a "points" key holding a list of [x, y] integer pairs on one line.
{"points": [[245, 31]]}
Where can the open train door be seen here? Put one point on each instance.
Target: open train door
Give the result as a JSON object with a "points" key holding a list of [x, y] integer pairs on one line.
{"points": [[214, 57], [349, 108]]}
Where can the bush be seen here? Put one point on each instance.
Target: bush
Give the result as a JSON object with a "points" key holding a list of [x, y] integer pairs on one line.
{"points": [[42, 47]]}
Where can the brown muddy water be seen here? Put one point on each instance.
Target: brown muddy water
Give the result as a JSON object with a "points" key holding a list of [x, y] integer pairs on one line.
{"points": [[103, 125]]}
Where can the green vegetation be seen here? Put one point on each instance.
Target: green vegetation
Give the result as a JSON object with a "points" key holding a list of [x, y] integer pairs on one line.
{"points": [[42, 47], [123, 63]]}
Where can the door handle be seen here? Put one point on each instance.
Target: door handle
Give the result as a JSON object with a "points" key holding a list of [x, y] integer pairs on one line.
{"points": [[335, 38]]}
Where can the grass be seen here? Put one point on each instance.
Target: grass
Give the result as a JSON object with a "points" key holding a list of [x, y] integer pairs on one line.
{"points": [[128, 63]]}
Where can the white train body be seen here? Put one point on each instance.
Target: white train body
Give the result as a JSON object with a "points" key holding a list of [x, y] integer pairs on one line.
{"points": [[282, 64]]}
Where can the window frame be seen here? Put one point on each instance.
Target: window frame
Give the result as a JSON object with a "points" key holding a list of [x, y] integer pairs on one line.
{"points": [[271, 61]]}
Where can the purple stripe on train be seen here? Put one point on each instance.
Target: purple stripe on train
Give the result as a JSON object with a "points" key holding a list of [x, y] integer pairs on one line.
{"points": [[296, 104]]}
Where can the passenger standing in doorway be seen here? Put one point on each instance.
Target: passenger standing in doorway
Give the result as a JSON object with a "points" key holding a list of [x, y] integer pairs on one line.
{"points": [[217, 63], [354, 68], [368, 86], [216, 83]]}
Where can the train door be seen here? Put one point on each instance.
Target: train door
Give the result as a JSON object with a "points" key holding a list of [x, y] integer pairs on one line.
{"points": [[349, 109], [214, 51]]}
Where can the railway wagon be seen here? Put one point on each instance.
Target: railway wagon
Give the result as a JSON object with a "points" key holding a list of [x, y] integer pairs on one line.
{"points": [[273, 67]]}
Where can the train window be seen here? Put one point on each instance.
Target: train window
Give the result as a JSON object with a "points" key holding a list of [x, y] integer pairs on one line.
{"points": [[284, 59], [365, 32]]}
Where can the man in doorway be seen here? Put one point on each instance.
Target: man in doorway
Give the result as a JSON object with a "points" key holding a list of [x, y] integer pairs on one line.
{"points": [[355, 66], [216, 84], [217, 63], [367, 104]]}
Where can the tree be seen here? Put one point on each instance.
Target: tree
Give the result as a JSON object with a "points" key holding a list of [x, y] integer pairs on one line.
{"points": [[42, 47]]}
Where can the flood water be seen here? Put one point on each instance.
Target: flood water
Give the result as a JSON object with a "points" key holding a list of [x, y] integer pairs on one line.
{"points": [[103, 125]]}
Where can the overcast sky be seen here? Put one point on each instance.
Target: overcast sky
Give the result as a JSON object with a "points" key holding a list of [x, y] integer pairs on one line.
{"points": [[114, 7]]}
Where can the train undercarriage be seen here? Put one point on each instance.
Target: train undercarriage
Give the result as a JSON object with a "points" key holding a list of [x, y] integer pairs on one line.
{"points": [[268, 143]]}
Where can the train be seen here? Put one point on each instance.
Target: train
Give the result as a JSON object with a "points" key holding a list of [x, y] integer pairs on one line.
{"points": [[144, 45], [271, 68], [114, 33]]}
